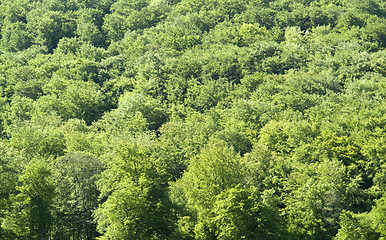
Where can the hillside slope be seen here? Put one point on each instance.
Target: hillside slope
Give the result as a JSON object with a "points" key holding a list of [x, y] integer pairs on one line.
{"points": [[191, 119]]}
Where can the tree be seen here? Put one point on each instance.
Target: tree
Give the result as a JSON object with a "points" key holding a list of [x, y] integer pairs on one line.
{"points": [[72, 99], [378, 214], [10, 167], [76, 196], [45, 27], [135, 113], [316, 202], [31, 213], [218, 203], [356, 227], [87, 26], [136, 206], [38, 137], [240, 213], [14, 36], [181, 140]]}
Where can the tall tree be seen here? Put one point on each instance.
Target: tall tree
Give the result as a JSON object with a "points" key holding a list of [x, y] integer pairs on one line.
{"points": [[76, 195], [31, 213], [217, 202], [136, 206]]}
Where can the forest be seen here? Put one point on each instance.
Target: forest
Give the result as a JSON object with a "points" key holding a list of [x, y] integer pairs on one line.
{"points": [[192, 119]]}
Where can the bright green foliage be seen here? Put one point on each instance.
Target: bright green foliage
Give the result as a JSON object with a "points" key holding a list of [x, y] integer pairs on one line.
{"points": [[378, 214], [239, 213], [265, 170], [356, 227], [135, 113], [179, 141], [221, 207], [72, 99], [137, 206], [81, 138], [31, 214], [193, 119], [365, 225], [214, 170], [9, 169], [131, 212], [14, 36], [87, 28], [37, 137], [132, 15]]}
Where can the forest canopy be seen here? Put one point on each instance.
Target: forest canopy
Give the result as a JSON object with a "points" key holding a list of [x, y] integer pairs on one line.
{"points": [[192, 119]]}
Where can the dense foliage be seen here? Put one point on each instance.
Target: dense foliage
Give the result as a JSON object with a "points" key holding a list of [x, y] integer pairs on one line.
{"points": [[192, 119]]}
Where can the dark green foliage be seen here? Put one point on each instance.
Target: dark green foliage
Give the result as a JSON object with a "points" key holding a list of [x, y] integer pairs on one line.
{"points": [[76, 175]]}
